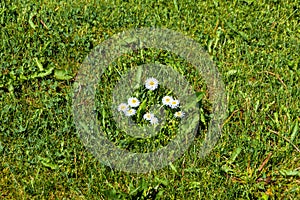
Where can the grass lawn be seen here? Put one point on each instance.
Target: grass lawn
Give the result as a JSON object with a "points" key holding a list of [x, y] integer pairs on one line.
{"points": [[255, 46]]}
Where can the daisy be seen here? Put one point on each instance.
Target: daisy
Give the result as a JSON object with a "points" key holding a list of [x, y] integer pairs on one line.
{"points": [[154, 120], [179, 114], [148, 116], [130, 112], [151, 83], [122, 107], [174, 103], [133, 102], [167, 100]]}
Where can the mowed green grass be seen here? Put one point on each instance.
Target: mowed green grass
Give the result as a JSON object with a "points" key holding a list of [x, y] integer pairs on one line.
{"points": [[255, 45]]}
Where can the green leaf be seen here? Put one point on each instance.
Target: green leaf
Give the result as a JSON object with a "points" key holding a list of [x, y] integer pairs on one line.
{"points": [[40, 75], [226, 168], [138, 77], [50, 165], [200, 96], [290, 172], [1, 147], [235, 154], [142, 106], [30, 20], [103, 116], [46, 163], [295, 131], [194, 184], [202, 118], [133, 192], [173, 168], [231, 72], [44, 159], [161, 181], [176, 5], [40, 66], [61, 74]]}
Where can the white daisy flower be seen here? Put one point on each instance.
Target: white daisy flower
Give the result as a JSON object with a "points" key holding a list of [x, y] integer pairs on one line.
{"points": [[130, 112], [151, 83], [148, 116], [122, 107], [179, 114], [154, 120], [133, 102], [166, 100], [174, 103]]}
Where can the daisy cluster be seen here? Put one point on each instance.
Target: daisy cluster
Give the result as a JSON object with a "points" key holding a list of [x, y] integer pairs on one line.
{"points": [[130, 108]]}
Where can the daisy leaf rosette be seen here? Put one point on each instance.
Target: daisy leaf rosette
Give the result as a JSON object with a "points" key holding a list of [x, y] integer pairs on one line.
{"points": [[169, 80], [89, 76]]}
